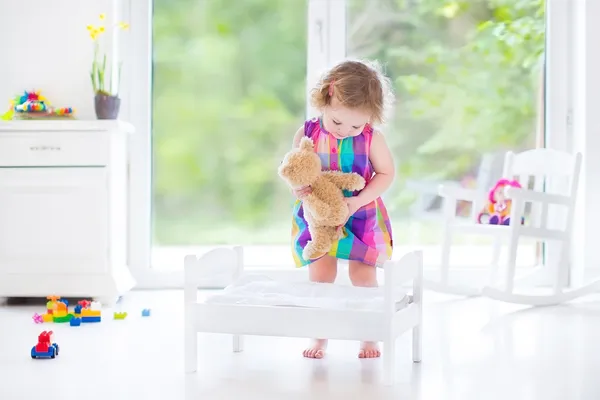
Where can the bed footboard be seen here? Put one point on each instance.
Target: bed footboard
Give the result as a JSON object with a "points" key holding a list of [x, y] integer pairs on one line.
{"points": [[223, 264]]}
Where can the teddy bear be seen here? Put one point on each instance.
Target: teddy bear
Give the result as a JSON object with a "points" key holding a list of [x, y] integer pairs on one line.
{"points": [[325, 208]]}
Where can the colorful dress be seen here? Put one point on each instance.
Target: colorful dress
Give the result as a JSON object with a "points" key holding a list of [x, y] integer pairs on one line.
{"points": [[367, 236]]}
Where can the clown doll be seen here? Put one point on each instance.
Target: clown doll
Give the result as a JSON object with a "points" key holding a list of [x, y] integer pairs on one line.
{"points": [[497, 209]]}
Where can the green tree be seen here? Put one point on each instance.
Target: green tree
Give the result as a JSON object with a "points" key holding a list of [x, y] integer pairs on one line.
{"points": [[466, 76], [229, 92], [229, 87]]}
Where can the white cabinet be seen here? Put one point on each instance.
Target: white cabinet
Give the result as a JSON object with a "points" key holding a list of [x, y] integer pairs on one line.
{"points": [[63, 209]]}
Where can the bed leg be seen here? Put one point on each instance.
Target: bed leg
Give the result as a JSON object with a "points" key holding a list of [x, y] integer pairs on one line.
{"points": [[417, 343], [389, 361], [190, 348], [417, 339], [238, 343]]}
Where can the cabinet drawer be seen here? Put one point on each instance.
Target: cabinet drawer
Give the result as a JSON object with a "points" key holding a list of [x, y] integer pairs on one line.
{"points": [[50, 148], [53, 221]]}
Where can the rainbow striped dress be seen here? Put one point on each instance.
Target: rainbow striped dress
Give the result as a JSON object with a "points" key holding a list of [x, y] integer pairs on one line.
{"points": [[367, 236]]}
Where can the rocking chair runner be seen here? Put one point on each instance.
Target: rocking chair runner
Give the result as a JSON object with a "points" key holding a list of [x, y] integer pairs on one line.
{"points": [[555, 182]]}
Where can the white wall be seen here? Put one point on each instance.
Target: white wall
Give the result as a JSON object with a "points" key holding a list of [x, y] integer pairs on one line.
{"points": [[586, 137], [45, 46]]}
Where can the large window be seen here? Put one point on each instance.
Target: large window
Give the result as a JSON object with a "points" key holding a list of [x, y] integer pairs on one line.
{"points": [[229, 90], [229, 93], [468, 77]]}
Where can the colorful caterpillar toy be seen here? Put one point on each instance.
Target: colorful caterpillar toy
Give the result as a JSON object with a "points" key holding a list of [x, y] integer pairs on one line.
{"points": [[34, 104]]}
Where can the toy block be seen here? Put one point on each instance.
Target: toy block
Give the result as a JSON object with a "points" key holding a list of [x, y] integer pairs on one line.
{"points": [[120, 315], [47, 318], [95, 305], [63, 318], [90, 313], [37, 318], [146, 312], [75, 321], [90, 319], [61, 308], [84, 303]]}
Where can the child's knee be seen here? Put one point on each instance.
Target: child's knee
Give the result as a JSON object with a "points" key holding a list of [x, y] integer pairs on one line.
{"points": [[362, 274], [323, 270]]}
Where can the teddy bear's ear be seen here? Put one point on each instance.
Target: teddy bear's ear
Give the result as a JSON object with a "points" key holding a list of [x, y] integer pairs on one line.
{"points": [[306, 144]]}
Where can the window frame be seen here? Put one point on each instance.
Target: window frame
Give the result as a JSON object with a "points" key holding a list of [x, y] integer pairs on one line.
{"points": [[326, 27], [558, 103]]}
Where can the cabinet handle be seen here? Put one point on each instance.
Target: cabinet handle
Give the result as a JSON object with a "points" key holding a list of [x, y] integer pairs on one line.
{"points": [[44, 148]]}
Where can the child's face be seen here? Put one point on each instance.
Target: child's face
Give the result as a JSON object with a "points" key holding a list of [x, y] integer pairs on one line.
{"points": [[343, 122]]}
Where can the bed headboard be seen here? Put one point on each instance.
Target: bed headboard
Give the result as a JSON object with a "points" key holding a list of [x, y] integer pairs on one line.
{"points": [[216, 267], [406, 269]]}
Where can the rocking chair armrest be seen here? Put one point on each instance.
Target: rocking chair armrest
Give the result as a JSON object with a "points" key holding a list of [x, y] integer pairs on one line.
{"points": [[527, 195], [459, 193], [428, 187]]}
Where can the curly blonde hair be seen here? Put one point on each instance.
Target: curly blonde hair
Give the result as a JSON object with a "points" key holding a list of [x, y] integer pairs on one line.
{"points": [[356, 84]]}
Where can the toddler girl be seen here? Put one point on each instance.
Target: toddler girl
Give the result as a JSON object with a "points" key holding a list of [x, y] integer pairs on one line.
{"points": [[351, 98]]}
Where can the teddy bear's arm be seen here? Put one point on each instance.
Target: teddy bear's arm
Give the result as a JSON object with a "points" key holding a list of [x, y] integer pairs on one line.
{"points": [[344, 180]]}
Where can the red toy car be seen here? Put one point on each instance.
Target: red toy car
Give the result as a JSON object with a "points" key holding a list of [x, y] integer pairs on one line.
{"points": [[45, 348]]}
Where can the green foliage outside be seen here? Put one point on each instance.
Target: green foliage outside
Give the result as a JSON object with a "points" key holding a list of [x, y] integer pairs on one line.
{"points": [[229, 92]]}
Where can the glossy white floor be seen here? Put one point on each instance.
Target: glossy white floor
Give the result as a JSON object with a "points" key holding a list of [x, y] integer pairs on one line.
{"points": [[473, 350]]}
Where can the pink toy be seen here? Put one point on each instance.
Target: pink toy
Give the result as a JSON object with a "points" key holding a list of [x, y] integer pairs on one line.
{"points": [[497, 209], [37, 318]]}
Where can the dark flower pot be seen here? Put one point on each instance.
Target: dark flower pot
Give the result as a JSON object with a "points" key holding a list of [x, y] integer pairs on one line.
{"points": [[107, 107]]}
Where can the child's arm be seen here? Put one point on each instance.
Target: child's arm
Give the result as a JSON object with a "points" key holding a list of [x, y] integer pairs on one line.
{"points": [[297, 136], [383, 164]]}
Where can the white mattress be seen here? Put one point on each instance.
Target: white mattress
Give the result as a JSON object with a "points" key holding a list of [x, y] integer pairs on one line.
{"points": [[262, 290]]}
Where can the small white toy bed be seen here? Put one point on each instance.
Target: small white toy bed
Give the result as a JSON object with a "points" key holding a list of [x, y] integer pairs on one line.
{"points": [[254, 304]]}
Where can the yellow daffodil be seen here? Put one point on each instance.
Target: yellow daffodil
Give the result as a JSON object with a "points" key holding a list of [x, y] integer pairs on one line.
{"points": [[94, 33], [102, 79]]}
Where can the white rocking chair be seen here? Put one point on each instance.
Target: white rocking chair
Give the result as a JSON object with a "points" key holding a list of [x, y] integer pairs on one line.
{"points": [[555, 182]]}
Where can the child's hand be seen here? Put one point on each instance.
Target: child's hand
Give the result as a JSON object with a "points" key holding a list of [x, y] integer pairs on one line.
{"points": [[302, 192], [353, 204]]}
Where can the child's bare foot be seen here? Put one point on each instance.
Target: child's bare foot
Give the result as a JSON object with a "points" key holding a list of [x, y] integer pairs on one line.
{"points": [[316, 350], [369, 350]]}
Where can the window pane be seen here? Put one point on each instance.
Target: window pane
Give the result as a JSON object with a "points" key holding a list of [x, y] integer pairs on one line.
{"points": [[468, 77], [228, 94]]}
